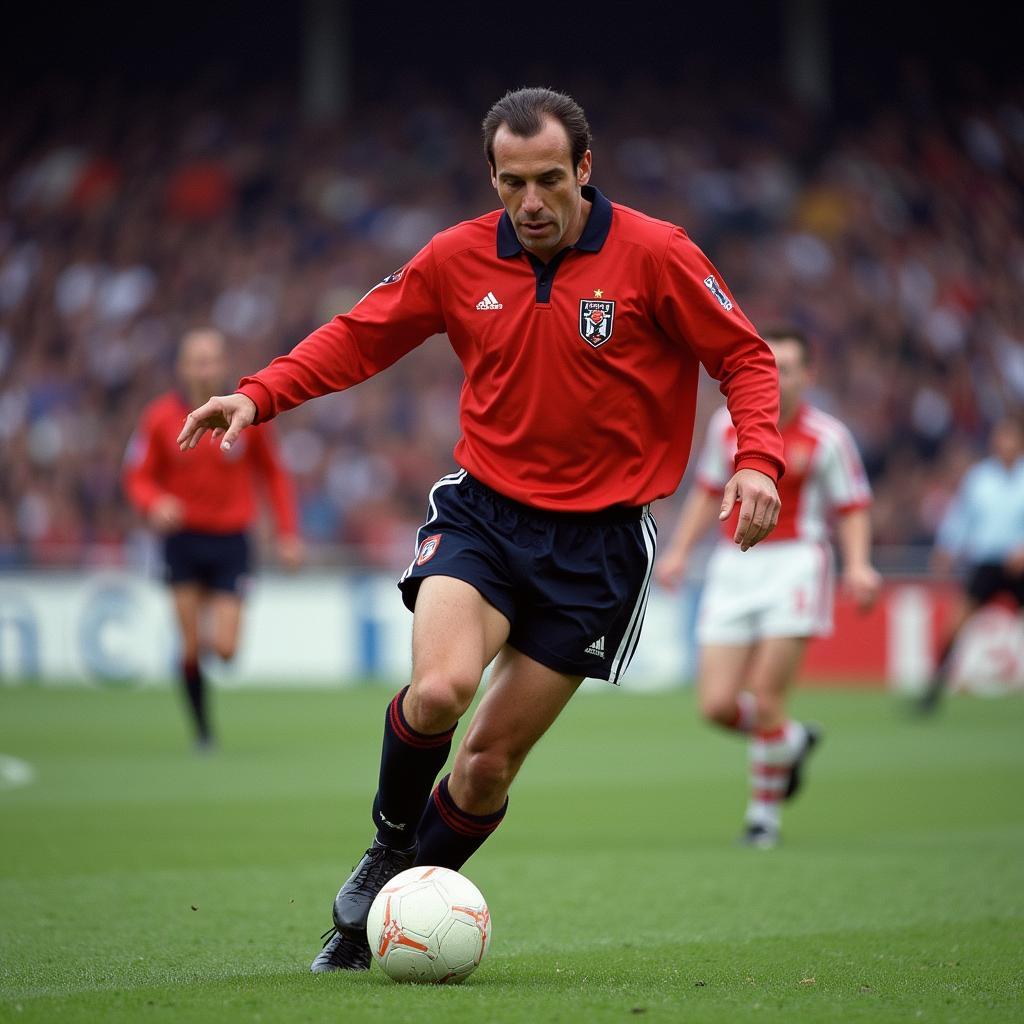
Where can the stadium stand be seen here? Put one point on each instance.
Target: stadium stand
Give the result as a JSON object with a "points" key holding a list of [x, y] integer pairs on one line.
{"points": [[896, 240]]}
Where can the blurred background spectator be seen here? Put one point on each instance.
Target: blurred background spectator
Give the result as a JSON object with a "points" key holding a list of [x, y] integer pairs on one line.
{"points": [[889, 225]]}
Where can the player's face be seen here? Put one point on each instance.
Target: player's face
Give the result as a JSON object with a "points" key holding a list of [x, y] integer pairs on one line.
{"points": [[1007, 442], [794, 374], [540, 188], [202, 363]]}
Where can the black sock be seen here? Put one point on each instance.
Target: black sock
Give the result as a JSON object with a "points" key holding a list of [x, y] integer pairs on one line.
{"points": [[448, 836], [409, 763], [195, 691], [940, 677]]}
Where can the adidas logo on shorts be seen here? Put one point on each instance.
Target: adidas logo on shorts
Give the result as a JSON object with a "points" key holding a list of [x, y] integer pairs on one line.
{"points": [[596, 648]]}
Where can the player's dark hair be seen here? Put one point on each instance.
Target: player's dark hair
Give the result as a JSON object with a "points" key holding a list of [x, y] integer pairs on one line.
{"points": [[783, 333], [522, 111]]}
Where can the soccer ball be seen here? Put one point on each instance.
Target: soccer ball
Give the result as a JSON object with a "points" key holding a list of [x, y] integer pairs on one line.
{"points": [[429, 925]]}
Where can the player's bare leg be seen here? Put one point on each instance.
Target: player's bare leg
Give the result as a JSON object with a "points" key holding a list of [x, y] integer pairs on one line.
{"points": [[778, 745], [225, 623], [188, 598], [774, 664], [188, 601], [963, 609], [523, 699], [456, 634], [723, 686]]}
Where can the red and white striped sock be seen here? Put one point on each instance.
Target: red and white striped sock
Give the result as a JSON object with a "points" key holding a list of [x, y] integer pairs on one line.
{"points": [[772, 753]]}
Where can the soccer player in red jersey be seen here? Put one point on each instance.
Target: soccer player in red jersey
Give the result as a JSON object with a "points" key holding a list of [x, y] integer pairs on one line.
{"points": [[758, 611], [203, 507], [581, 325]]}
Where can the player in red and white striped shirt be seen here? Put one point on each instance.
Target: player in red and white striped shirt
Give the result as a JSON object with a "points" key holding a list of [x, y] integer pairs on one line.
{"points": [[758, 611]]}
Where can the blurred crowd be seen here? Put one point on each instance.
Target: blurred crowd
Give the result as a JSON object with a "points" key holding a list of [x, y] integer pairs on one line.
{"points": [[895, 240]]}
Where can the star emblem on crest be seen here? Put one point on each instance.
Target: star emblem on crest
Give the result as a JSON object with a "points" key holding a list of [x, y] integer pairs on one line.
{"points": [[598, 293]]}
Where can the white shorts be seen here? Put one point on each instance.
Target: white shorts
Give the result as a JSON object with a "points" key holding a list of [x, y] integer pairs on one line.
{"points": [[778, 588]]}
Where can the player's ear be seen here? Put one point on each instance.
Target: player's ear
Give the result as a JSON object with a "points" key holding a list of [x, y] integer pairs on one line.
{"points": [[583, 169], [494, 176]]}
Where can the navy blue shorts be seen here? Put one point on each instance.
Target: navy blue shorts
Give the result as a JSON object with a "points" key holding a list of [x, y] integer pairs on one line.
{"points": [[572, 584], [990, 579], [217, 561]]}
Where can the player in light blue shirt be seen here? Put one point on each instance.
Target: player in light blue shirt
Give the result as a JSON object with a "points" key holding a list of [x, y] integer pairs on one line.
{"points": [[983, 529]]}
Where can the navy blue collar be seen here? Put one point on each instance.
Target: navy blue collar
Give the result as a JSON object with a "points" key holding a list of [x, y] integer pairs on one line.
{"points": [[595, 231]]}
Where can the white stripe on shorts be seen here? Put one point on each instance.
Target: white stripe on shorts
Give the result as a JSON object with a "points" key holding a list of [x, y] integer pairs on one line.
{"points": [[451, 478], [624, 655]]}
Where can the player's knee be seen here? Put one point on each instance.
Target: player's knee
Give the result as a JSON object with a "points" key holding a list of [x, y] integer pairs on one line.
{"points": [[436, 700], [768, 708], [717, 708], [225, 648], [487, 775]]}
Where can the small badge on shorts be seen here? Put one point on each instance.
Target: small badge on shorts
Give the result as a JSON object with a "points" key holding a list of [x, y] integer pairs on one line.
{"points": [[428, 548], [597, 318]]}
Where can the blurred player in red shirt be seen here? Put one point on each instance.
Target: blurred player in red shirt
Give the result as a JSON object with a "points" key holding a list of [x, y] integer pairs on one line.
{"points": [[204, 506], [758, 612]]}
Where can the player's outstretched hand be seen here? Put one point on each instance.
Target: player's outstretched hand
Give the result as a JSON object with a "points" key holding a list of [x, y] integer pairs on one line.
{"points": [[1014, 563], [167, 514], [292, 553], [226, 415], [759, 506], [863, 584]]}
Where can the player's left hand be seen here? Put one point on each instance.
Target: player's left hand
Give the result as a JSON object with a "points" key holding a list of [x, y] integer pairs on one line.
{"points": [[759, 506], [291, 552], [863, 584]]}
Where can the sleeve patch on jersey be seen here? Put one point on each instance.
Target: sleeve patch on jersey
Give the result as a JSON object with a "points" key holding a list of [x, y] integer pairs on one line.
{"points": [[394, 276], [716, 289]]}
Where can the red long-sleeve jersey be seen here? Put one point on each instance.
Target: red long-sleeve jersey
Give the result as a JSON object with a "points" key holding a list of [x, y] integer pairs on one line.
{"points": [[217, 489], [581, 374]]}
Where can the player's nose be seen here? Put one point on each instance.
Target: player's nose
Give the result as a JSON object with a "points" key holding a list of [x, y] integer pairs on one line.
{"points": [[532, 202]]}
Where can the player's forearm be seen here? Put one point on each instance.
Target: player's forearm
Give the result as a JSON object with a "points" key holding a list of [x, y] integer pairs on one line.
{"points": [[751, 393], [143, 491], [325, 361], [953, 531], [700, 511], [854, 534], [283, 504]]}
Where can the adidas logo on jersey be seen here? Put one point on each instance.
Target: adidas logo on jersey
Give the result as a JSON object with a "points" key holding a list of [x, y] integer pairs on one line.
{"points": [[597, 647], [489, 302]]}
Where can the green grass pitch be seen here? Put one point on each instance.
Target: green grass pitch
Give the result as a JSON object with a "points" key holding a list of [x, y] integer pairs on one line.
{"points": [[140, 882]]}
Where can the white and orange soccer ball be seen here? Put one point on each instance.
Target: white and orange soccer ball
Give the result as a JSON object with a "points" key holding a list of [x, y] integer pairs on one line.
{"points": [[429, 925]]}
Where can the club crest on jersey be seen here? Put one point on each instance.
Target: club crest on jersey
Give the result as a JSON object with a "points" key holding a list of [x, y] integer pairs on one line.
{"points": [[597, 319], [428, 548]]}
